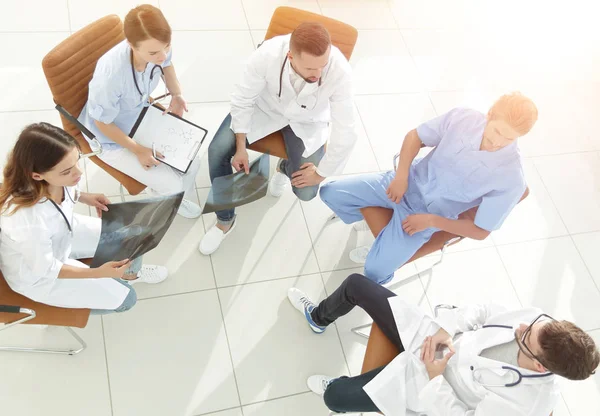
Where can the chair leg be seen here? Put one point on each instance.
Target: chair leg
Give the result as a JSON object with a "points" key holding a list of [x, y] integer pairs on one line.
{"points": [[122, 189], [357, 329], [66, 351]]}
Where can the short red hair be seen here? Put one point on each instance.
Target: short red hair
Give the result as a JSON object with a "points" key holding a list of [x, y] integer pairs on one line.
{"points": [[310, 37], [146, 22], [516, 110]]}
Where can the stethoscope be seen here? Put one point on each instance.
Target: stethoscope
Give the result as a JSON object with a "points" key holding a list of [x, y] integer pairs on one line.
{"points": [[137, 87], [66, 191], [281, 84], [520, 376]]}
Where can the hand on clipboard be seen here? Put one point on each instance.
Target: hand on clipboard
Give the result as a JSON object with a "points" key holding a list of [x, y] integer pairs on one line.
{"points": [[149, 158], [168, 139]]}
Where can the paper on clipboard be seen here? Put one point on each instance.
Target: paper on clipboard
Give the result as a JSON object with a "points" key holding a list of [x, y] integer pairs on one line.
{"points": [[176, 138]]}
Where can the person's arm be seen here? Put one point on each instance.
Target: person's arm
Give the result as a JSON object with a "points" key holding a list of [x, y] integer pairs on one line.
{"points": [[246, 92], [343, 127], [465, 318], [461, 227], [409, 150], [112, 269], [410, 147], [171, 81], [178, 104]]}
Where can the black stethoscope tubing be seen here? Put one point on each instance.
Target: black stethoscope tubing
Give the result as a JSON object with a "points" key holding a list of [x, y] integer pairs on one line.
{"points": [[281, 77], [61, 211], [137, 87], [520, 376]]}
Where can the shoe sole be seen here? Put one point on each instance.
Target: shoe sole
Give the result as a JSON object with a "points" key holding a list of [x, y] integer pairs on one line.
{"points": [[206, 253]]}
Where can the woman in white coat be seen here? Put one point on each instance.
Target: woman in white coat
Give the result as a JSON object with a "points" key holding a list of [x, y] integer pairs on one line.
{"points": [[123, 80], [496, 362], [41, 236]]}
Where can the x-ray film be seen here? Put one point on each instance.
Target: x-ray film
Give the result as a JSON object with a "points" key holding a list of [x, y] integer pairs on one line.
{"points": [[131, 229], [239, 189]]}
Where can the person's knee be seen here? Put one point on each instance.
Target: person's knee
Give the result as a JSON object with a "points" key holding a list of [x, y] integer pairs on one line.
{"points": [[334, 396], [377, 273], [325, 192], [306, 194], [129, 301]]}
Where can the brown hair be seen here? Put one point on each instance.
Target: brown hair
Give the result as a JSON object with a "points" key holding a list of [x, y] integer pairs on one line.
{"points": [[310, 37], [146, 22], [515, 109], [567, 350], [39, 148]]}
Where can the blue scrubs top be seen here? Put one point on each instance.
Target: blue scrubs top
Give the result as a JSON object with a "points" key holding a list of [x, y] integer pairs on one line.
{"points": [[456, 176], [113, 97]]}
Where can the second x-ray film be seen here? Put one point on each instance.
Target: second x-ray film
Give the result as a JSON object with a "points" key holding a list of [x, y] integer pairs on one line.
{"points": [[131, 229], [239, 189]]}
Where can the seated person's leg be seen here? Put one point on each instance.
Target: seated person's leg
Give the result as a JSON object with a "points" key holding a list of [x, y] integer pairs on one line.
{"points": [[127, 304], [294, 147], [220, 152], [346, 394], [392, 249], [346, 197], [356, 290]]}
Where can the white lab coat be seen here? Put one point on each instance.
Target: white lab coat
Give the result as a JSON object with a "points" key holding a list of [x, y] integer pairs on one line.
{"points": [[257, 110], [404, 388], [35, 242]]}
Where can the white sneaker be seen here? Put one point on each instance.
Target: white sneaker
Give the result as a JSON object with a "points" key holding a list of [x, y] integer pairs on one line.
{"points": [[151, 274], [359, 254], [318, 383], [278, 182], [213, 238], [305, 306], [361, 226], [188, 209]]}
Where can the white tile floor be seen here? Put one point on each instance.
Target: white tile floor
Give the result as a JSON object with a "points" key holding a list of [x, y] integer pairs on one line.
{"points": [[219, 337]]}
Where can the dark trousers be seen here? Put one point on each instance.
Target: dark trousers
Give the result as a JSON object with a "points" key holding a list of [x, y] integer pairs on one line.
{"points": [[223, 147], [346, 394]]}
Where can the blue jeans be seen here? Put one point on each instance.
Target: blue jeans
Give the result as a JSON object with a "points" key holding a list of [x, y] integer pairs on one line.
{"points": [[131, 298], [223, 147]]}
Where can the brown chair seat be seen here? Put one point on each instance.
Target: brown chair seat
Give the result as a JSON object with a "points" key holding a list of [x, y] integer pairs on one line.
{"points": [[45, 314]]}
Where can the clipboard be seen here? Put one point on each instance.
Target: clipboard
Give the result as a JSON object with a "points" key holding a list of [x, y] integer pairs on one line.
{"points": [[178, 139]]}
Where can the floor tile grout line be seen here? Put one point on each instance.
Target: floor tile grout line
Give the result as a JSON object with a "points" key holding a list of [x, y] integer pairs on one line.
{"points": [[112, 410], [272, 399], [237, 387], [570, 235], [213, 412], [69, 16], [362, 122]]}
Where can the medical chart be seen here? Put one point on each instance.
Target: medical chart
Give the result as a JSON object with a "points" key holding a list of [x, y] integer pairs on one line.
{"points": [[176, 138]]}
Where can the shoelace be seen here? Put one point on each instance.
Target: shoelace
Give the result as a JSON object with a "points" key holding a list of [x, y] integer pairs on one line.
{"points": [[325, 383], [305, 302]]}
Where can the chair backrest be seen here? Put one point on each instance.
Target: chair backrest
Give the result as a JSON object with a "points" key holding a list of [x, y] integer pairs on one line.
{"points": [[286, 19], [69, 68]]}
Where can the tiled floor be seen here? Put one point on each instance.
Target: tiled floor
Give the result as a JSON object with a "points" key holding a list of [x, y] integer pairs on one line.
{"points": [[219, 337]]}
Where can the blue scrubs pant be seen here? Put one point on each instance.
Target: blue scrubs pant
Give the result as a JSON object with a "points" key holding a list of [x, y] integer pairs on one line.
{"points": [[392, 247]]}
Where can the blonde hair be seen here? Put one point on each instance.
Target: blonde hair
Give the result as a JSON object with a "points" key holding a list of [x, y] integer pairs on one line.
{"points": [[516, 110]]}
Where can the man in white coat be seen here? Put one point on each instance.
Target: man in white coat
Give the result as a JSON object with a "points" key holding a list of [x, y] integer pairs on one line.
{"points": [[297, 84], [496, 362]]}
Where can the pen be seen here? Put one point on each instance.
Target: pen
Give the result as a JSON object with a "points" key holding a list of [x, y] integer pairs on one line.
{"points": [[153, 150]]}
